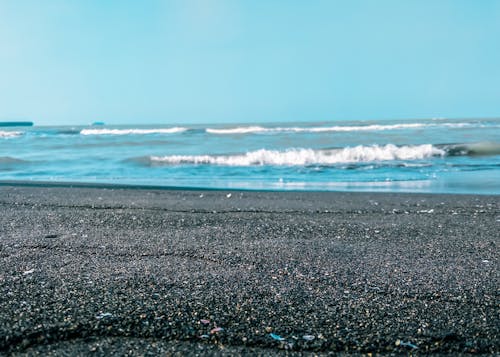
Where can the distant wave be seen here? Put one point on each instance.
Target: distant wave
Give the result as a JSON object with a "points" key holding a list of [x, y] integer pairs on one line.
{"points": [[335, 128], [240, 130], [305, 157], [173, 130], [10, 134], [69, 131]]}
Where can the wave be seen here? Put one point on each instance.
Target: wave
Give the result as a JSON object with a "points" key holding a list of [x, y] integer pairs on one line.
{"points": [[9, 163], [68, 132], [11, 160], [173, 130], [472, 149], [10, 134], [336, 128], [305, 157], [241, 130]]}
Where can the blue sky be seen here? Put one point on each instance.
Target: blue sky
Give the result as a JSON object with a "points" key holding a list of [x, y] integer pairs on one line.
{"points": [[198, 61]]}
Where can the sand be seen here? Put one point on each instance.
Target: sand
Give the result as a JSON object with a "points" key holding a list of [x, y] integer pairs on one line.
{"points": [[134, 271]]}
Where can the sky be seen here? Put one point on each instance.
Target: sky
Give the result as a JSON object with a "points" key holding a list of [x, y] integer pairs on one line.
{"points": [[229, 61]]}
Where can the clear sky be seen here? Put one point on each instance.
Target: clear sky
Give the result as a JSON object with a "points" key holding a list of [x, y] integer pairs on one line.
{"points": [[221, 61]]}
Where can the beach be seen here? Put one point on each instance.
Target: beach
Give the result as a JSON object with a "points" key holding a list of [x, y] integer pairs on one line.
{"points": [[113, 269]]}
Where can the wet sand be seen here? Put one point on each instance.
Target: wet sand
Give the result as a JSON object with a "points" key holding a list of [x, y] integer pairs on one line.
{"points": [[114, 271]]}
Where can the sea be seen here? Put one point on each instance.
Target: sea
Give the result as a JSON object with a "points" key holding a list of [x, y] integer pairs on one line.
{"points": [[430, 156]]}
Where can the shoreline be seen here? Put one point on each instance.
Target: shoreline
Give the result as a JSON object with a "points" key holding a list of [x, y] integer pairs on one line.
{"points": [[108, 269], [103, 185]]}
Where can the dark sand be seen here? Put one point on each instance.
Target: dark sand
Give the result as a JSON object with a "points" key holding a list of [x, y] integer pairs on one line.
{"points": [[121, 271]]}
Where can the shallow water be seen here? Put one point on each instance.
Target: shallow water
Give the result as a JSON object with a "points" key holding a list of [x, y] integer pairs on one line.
{"points": [[438, 156]]}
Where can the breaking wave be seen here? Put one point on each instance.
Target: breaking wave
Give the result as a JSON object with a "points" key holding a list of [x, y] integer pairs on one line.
{"points": [[472, 149], [305, 157], [241, 130], [336, 128], [10, 134], [173, 130]]}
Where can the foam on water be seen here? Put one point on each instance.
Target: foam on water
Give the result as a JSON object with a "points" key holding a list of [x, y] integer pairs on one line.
{"points": [[336, 128], [10, 134], [173, 130], [447, 155], [239, 130], [304, 157]]}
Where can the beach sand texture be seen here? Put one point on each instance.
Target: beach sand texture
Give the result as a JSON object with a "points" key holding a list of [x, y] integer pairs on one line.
{"points": [[134, 271]]}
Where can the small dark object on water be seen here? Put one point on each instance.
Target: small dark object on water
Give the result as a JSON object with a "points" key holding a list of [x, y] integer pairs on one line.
{"points": [[51, 236]]}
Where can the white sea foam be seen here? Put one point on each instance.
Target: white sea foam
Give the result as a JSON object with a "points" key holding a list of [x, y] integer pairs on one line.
{"points": [[366, 185], [304, 157], [238, 130], [173, 130], [10, 134], [335, 128]]}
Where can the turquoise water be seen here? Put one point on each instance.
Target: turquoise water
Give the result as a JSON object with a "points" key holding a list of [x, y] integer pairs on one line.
{"points": [[437, 156]]}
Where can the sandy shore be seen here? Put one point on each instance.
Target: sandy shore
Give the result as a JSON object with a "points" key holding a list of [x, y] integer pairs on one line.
{"points": [[135, 271]]}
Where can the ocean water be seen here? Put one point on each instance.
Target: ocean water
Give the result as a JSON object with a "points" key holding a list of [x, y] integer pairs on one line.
{"points": [[435, 156]]}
